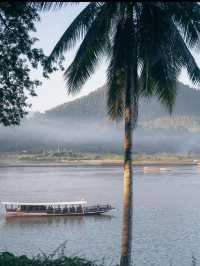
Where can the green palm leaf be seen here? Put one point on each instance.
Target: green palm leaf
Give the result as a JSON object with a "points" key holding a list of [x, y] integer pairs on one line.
{"points": [[93, 47], [184, 55], [116, 77], [186, 16], [75, 31], [47, 6]]}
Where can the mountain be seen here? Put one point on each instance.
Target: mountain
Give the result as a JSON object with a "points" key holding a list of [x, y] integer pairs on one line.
{"points": [[83, 125], [93, 106]]}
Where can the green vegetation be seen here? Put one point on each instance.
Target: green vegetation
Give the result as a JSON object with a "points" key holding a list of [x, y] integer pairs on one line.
{"points": [[9, 259], [107, 157], [18, 56], [60, 156]]}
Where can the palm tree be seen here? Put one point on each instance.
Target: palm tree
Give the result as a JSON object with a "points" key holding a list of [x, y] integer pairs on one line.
{"points": [[147, 45]]}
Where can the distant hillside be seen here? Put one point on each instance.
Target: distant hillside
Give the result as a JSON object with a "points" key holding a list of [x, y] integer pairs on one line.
{"points": [[86, 107], [93, 106], [83, 125]]}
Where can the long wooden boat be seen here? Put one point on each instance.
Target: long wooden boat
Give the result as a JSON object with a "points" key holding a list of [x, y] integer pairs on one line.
{"points": [[73, 208]]}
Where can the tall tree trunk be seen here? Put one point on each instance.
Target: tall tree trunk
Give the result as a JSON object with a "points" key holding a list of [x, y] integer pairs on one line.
{"points": [[126, 242], [131, 92]]}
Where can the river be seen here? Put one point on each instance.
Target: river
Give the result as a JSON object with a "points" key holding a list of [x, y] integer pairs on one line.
{"points": [[166, 213]]}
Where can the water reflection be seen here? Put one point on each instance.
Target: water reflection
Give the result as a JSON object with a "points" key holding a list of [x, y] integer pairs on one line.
{"points": [[70, 220]]}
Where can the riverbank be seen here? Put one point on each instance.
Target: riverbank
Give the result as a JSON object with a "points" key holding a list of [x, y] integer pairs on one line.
{"points": [[95, 160]]}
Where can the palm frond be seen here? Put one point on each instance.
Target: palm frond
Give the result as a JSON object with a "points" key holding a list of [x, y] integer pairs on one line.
{"points": [[74, 32], [159, 79], [116, 77], [47, 6], [92, 48], [116, 84], [164, 81], [184, 55], [160, 65], [186, 17]]}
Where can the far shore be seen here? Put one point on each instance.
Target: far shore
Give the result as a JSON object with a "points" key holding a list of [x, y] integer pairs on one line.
{"points": [[72, 159], [142, 163]]}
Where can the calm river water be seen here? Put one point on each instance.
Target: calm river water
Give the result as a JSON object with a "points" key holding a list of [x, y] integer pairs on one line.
{"points": [[166, 213]]}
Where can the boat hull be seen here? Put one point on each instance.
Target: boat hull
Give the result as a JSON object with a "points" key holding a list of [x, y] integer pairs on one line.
{"points": [[10, 214]]}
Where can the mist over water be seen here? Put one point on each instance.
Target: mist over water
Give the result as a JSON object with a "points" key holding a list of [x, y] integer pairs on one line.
{"points": [[166, 213], [35, 135]]}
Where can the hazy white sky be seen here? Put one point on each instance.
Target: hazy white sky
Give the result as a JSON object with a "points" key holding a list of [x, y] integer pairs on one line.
{"points": [[53, 92]]}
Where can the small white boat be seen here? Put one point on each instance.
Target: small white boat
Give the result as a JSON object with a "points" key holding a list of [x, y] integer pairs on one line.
{"points": [[164, 169], [154, 169], [73, 208]]}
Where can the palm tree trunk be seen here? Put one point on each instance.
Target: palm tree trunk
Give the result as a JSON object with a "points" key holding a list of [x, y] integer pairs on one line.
{"points": [[126, 241], [131, 93]]}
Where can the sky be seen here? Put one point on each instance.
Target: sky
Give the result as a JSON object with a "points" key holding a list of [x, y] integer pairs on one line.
{"points": [[53, 91]]}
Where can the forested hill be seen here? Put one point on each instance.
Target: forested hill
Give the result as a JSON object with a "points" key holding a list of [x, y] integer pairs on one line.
{"points": [[94, 106]]}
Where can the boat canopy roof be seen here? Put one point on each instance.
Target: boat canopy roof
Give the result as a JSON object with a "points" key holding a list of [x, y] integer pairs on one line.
{"points": [[81, 202]]}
